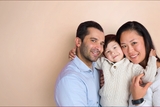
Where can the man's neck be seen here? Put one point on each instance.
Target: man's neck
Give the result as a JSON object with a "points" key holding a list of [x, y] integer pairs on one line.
{"points": [[84, 60]]}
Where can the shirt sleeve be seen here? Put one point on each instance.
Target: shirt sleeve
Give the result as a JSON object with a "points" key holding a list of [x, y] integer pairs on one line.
{"points": [[156, 97], [150, 70], [152, 97], [71, 91], [156, 90], [99, 63]]}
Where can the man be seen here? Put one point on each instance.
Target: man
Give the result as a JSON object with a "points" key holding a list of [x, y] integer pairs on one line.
{"points": [[78, 83]]}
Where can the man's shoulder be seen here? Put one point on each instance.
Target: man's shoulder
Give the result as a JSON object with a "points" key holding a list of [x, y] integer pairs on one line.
{"points": [[70, 69]]}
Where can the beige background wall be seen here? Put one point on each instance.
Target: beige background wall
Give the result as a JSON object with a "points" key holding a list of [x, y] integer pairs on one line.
{"points": [[36, 36]]}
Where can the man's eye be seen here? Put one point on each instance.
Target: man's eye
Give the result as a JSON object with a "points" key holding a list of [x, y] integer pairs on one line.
{"points": [[93, 40], [102, 43]]}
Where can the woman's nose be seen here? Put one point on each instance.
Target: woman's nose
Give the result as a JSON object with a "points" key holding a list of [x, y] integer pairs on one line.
{"points": [[130, 49]]}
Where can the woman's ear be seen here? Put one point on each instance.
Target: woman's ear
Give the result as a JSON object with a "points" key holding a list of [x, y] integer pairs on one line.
{"points": [[78, 42]]}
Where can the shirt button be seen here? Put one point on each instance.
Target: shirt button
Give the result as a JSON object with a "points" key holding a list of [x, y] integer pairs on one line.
{"points": [[114, 67], [97, 102]]}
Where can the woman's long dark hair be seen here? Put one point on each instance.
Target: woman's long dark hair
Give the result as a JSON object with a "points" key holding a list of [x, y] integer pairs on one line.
{"points": [[142, 31]]}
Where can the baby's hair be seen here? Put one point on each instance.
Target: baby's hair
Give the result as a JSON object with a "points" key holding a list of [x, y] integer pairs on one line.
{"points": [[108, 38]]}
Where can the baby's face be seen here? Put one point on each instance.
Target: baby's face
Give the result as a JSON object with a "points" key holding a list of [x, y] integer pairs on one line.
{"points": [[113, 52]]}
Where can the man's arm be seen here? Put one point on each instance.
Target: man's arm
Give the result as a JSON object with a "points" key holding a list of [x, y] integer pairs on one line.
{"points": [[71, 92]]}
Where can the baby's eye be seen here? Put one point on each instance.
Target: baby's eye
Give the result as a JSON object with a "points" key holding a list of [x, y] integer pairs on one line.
{"points": [[107, 52], [114, 47]]}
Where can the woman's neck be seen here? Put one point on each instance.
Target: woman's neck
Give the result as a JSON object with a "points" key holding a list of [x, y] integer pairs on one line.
{"points": [[143, 64], [158, 64]]}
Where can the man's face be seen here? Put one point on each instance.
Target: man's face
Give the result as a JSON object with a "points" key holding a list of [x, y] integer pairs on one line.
{"points": [[92, 46]]}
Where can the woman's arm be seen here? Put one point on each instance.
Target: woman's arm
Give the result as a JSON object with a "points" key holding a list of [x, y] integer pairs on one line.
{"points": [[156, 89], [138, 90]]}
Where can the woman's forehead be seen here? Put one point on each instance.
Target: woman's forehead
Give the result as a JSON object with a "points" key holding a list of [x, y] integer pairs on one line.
{"points": [[130, 35]]}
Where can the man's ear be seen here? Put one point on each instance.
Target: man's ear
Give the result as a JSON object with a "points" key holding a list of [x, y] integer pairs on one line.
{"points": [[78, 42]]}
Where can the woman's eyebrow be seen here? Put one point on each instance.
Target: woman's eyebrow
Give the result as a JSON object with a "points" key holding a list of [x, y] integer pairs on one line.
{"points": [[132, 40], [129, 41]]}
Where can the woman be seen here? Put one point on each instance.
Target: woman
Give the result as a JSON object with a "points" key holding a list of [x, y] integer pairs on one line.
{"points": [[136, 44]]}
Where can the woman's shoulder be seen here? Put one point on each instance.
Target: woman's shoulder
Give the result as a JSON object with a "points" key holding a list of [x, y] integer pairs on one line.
{"points": [[157, 79], [156, 84], [158, 73]]}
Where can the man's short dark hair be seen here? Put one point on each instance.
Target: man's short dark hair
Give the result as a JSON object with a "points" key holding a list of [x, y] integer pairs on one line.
{"points": [[82, 29]]}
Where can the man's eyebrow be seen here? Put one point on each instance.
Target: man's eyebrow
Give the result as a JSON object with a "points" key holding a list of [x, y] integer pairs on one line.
{"points": [[93, 38]]}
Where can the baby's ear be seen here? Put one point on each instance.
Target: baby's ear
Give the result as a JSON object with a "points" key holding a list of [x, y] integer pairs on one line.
{"points": [[78, 42]]}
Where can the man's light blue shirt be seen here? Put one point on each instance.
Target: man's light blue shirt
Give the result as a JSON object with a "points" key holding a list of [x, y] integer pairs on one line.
{"points": [[77, 85]]}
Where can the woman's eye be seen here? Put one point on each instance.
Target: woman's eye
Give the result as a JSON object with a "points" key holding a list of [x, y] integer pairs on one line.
{"points": [[123, 46], [114, 47], [134, 43]]}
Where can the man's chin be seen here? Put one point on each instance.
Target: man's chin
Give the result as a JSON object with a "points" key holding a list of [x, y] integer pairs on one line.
{"points": [[94, 59]]}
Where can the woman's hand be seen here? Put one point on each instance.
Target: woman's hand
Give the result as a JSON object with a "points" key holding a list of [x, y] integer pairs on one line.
{"points": [[72, 54], [138, 90]]}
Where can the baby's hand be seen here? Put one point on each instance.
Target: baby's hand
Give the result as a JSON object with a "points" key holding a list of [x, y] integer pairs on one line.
{"points": [[72, 53], [152, 52]]}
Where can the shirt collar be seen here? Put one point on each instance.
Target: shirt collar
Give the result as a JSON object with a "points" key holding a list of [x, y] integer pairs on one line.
{"points": [[109, 61], [81, 65]]}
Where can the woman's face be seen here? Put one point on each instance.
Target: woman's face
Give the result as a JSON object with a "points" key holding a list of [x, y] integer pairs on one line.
{"points": [[133, 46]]}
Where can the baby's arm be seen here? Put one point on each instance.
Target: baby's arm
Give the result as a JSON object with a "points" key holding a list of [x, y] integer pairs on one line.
{"points": [[99, 63], [72, 53], [151, 68]]}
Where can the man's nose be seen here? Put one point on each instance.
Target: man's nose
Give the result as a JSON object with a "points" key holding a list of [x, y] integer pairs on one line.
{"points": [[99, 47]]}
